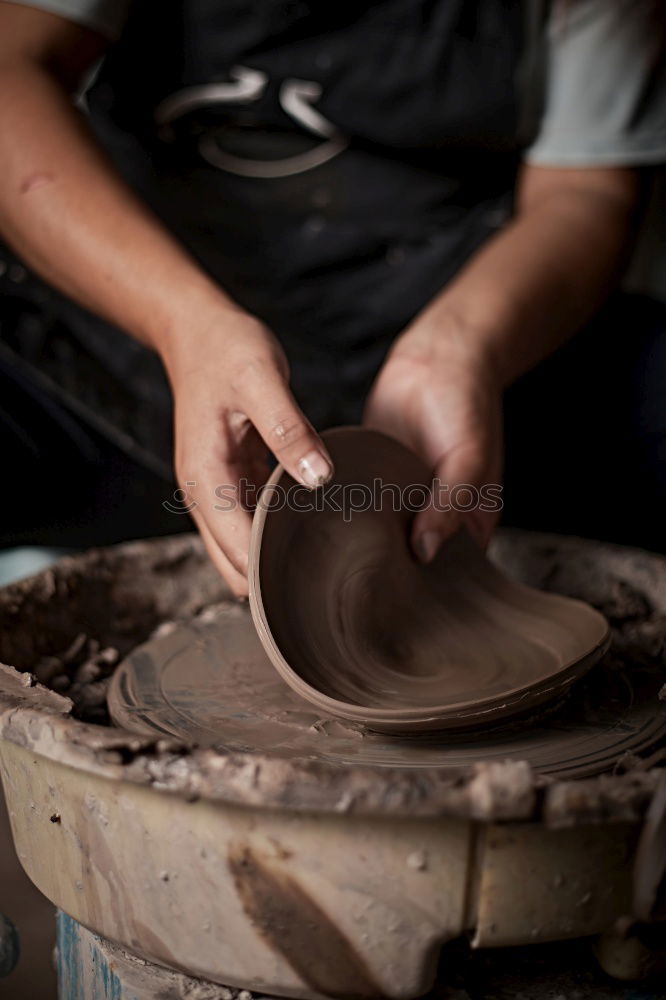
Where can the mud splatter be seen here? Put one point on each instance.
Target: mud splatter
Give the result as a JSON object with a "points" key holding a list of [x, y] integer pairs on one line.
{"points": [[296, 927]]}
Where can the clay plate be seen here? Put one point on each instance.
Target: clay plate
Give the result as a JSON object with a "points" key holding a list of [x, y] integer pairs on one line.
{"points": [[360, 629], [208, 681]]}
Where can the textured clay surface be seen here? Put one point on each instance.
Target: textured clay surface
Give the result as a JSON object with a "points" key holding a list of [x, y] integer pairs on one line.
{"points": [[362, 630]]}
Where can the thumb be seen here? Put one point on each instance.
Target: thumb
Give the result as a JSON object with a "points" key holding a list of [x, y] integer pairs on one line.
{"points": [[286, 431]]}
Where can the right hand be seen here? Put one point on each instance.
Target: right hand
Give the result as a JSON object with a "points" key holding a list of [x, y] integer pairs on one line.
{"points": [[232, 407]]}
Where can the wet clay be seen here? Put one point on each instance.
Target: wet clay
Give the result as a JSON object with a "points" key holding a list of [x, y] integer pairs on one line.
{"points": [[209, 681], [118, 597], [361, 630]]}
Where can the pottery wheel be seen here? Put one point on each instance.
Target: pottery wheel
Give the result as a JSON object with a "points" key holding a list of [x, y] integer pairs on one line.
{"points": [[208, 681]]}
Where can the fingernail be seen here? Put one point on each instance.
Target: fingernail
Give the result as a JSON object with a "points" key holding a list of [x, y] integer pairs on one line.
{"points": [[314, 469], [426, 545]]}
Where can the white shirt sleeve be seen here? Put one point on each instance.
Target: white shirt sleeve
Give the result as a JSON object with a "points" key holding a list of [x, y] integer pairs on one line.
{"points": [[605, 101], [106, 16]]}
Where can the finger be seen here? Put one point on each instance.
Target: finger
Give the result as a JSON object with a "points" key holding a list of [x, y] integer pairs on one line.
{"points": [[481, 525], [457, 477], [483, 520], [236, 581], [274, 412], [247, 461], [218, 505]]}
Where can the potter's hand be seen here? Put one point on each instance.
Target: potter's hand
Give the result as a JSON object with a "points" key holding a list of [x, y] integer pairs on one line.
{"points": [[438, 398], [519, 297], [233, 406], [71, 217]]}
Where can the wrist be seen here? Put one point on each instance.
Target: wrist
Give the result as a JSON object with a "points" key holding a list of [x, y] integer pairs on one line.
{"points": [[200, 319], [443, 338]]}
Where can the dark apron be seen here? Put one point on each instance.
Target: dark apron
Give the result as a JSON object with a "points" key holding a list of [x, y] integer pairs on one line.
{"points": [[331, 166]]}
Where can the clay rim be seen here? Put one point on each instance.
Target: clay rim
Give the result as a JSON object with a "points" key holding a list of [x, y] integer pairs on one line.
{"points": [[450, 716]]}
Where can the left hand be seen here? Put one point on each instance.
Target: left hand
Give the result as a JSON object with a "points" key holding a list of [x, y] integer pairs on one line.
{"points": [[443, 400]]}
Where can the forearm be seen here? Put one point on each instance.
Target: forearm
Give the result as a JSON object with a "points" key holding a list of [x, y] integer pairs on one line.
{"points": [[71, 217], [538, 281]]}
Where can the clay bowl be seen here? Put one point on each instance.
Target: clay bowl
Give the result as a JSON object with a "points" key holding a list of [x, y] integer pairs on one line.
{"points": [[363, 631]]}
